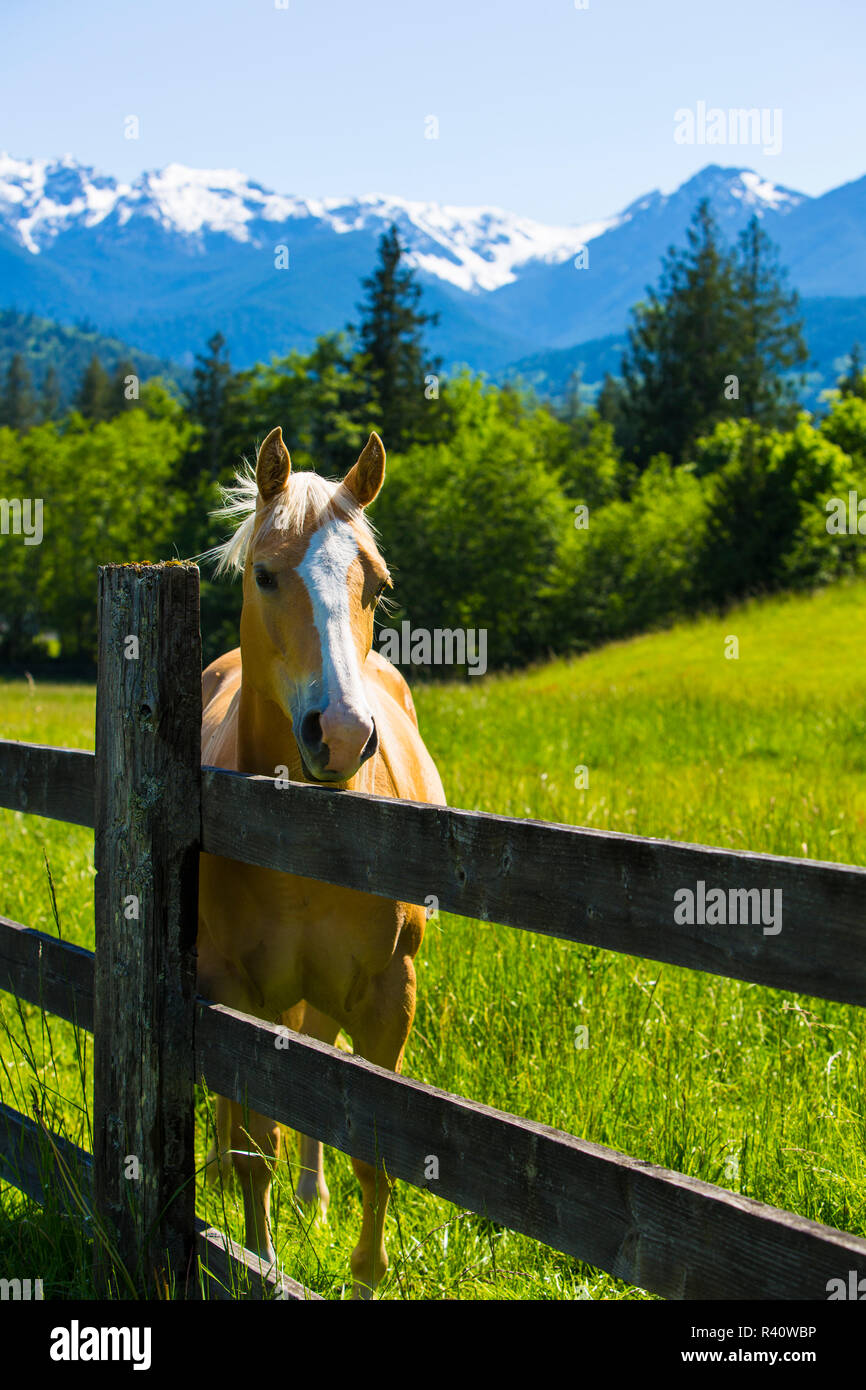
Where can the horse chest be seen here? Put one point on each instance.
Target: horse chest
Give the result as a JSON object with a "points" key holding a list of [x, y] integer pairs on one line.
{"points": [[285, 938]]}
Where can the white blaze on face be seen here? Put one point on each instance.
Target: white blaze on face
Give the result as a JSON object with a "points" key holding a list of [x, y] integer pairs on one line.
{"points": [[325, 572]]}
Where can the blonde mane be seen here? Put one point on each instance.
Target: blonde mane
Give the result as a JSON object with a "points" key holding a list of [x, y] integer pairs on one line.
{"points": [[307, 501]]}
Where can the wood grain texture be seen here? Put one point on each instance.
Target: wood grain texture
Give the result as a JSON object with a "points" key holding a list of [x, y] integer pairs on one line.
{"points": [[46, 781], [55, 975], [48, 1170], [147, 835], [674, 1235], [590, 886]]}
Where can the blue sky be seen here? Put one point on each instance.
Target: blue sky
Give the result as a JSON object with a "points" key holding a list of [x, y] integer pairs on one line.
{"points": [[548, 110]]}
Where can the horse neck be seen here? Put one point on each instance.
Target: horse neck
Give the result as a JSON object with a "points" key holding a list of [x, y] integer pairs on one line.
{"points": [[265, 737]]}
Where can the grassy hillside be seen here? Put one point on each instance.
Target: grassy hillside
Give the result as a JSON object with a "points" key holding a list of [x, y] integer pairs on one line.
{"points": [[755, 1089]]}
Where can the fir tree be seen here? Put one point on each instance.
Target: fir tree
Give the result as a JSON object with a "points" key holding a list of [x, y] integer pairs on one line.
{"points": [[680, 347], [124, 393], [715, 340], [769, 336], [50, 396], [95, 396], [18, 405], [390, 343], [211, 406], [853, 383]]}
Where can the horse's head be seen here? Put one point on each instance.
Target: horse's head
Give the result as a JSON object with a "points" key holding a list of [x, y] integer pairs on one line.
{"points": [[312, 579]]}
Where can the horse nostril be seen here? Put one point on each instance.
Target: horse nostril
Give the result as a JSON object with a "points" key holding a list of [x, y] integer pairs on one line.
{"points": [[311, 729], [371, 745]]}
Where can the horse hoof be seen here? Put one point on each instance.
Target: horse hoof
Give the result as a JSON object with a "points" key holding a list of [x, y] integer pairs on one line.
{"points": [[313, 1203]]}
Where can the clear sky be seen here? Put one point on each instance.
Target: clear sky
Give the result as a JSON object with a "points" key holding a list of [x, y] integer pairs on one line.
{"points": [[560, 113]]}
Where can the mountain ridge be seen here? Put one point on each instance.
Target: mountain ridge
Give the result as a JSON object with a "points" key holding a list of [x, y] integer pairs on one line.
{"points": [[171, 257]]}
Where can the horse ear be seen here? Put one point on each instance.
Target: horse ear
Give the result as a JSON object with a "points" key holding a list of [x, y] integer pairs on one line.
{"points": [[273, 465], [368, 474]]}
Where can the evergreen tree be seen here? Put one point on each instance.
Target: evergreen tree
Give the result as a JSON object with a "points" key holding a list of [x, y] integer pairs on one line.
{"points": [[50, 397], [214, 397], [95, 395], [393, 361], [18, 405], [715, 340], [571, 409], [769, 336], [121, 386], [853, 383], [609, 403], [681, 348]]}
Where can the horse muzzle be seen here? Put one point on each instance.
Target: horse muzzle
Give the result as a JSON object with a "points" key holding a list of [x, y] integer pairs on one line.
{"points": [[332, 746]]}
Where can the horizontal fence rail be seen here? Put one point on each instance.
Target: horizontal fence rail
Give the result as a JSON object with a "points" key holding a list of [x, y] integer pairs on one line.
{"points": [[594, 887], [666, 1232]]}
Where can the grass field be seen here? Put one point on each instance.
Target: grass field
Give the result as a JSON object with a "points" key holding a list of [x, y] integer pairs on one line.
{"points": [[754, 1089]]}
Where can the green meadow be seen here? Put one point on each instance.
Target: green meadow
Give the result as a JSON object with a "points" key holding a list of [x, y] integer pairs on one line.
{"points": [[757, 1090]]}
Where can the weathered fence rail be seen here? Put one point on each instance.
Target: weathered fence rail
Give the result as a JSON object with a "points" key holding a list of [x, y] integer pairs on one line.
{"points": [[594, 887], [668, 1233]]}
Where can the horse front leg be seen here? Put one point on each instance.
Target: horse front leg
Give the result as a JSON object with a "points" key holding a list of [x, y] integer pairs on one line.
{"points": [[311, 1188], [380, 1037], [255, 1144], [245, 1140]]}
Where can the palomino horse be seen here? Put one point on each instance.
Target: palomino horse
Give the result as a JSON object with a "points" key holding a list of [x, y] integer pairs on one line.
{"points": [[305, 691]]}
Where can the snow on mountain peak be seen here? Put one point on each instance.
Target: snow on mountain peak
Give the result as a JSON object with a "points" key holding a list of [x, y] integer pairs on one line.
{"points": [[473, 248]]}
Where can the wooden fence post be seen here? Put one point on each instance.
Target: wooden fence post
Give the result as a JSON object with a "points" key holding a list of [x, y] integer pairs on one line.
{"points": [[148, 830]]}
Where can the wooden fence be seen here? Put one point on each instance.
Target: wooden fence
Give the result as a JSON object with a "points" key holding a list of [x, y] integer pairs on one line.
{"points": [[154, 810]]}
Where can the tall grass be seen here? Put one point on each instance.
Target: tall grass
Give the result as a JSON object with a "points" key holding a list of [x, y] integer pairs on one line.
{"points": [[755, 1089]]}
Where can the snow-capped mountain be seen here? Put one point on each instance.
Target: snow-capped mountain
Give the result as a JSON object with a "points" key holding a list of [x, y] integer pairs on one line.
{"points": [[474, 248], [166, 260]]}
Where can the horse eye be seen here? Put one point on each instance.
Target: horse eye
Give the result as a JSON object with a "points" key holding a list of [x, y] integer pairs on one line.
{"points": [[265, 580]]}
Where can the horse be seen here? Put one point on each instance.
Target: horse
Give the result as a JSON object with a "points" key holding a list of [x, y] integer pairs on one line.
{"points": [[306, 692]]}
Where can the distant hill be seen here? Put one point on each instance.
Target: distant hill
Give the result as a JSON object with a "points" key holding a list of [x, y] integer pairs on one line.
{"points": [[68, 349], [832, 326]]}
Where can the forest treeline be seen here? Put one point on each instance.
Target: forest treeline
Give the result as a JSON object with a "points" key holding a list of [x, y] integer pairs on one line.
{"points": [[692, 481]]}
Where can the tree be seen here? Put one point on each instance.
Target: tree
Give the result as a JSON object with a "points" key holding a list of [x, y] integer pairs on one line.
{"points": [[95, 397], [472, 526], [213, 398], [713, 341], [390, 343], [50, 397], [108, 497], [609, 402], [853, 383], [769, 336], [121, 387], [588, 463], [679, 350], [766, 491], [18, 407]]}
